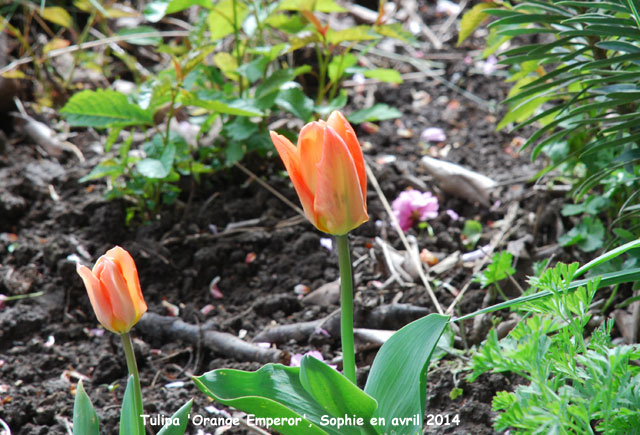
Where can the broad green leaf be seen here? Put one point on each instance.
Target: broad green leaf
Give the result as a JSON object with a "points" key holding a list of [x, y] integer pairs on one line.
{"points": [[221, 107], [395, 31], [336, 394], [274, 81], [225, 17], [158, 168], [274, 391], [57, 15], [352, 34], [398, 376], [384, 75], [85, 419], [472, 19], [588, 235], [144, 40], [103, 108], [294, 100], [129, 421], [182, 415], [377, 112]]}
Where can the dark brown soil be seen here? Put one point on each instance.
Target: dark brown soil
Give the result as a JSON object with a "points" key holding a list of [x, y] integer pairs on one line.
{"points": [[48, 343]]}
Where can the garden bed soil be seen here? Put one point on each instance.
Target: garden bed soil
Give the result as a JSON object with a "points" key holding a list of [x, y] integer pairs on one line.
{"points": [[48, 221]]}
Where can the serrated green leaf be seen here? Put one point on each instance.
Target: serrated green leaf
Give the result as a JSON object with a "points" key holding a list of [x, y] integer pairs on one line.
{"points": [[182, 415], [104, 108], [472, 19], [397, 380], [377, 112], [85, 419]]}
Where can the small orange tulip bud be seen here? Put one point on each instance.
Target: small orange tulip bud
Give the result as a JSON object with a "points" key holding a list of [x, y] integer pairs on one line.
{"points": [[114, 290], [327, 171]]}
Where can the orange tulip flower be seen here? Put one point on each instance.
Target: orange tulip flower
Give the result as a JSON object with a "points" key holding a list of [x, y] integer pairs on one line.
{"points": [[114, 290], [327, 171]]}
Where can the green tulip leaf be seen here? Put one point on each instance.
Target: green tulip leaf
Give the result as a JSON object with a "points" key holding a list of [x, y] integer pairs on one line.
{"points": [[273, 392], [337, 395], [129, 421], [85, 419], [398, 376], [182, 415]]}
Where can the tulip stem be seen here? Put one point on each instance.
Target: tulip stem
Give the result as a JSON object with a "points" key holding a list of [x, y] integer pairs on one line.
{"points": [[346, 309], [133, 370]]}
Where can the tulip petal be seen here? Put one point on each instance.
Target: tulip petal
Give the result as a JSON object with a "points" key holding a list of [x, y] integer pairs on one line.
{"points": [[310, 151], [97, 295], [339, 123], [122, 305], [128, 269], [339, 201], [289, 155]]}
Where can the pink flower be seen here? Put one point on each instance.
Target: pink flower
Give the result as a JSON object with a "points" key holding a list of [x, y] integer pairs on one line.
{"points": [[296, 358], [412, 206]]}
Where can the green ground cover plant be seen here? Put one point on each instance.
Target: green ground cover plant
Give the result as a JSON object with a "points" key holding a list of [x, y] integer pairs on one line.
{"points": [[576, 79], [236, 69]]}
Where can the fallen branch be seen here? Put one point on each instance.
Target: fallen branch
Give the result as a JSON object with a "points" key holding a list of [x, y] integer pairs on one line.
{"points": [[164, 328]]}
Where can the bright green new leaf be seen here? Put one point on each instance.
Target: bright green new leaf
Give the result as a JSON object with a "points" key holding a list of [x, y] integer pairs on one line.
{"points": [[472, 19], [57, 15], [499, 269], [85, 419], [352, 34], [377, 112], [274, 391], [384, 75], [311, 5], [104, 108], [336, 394], [471, 233], [128, 418], [225, 17], [182, 415], [398, 376]]}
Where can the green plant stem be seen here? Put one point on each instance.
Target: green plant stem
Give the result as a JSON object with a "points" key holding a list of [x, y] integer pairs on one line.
{"points": [[133, 370], [346, 309], [322, 66]]}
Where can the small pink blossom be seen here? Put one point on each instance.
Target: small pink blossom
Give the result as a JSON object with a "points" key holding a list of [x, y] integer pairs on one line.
{"points": [[3, 299], [433, 134], [296, 358], [412, 206], [453, 215]]}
